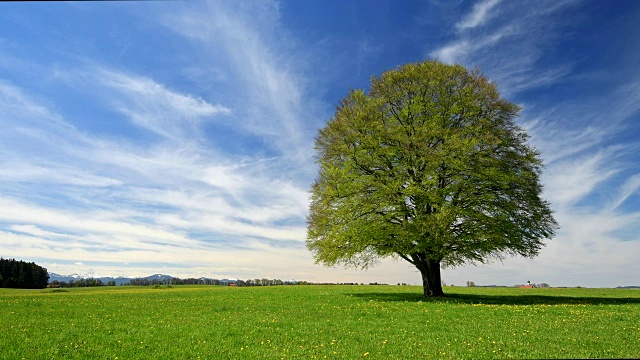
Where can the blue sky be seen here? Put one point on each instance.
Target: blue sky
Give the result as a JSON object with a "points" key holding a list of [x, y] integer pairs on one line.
{"points": [[177, 137]]}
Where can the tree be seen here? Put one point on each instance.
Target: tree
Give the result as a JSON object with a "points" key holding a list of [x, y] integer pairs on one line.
{"points": [[23, 275], [430, 167]]}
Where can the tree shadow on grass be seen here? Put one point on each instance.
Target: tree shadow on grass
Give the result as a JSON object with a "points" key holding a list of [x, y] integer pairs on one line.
{"points": [[499, 299]]}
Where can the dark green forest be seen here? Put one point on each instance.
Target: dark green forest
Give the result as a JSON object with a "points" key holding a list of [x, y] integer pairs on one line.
{"points": [[22, 275]]}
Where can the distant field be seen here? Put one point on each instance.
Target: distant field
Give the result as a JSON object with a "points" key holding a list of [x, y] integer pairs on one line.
{"points": [[334, 322]]}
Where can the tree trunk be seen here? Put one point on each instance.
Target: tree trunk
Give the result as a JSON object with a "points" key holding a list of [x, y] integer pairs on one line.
{"points": [[431, 279]]}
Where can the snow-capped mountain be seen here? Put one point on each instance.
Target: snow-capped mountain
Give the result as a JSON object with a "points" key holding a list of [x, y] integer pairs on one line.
{"points": [[119, 280]]}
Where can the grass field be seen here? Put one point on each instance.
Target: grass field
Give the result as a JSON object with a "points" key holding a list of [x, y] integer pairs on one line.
{"points": [[333, 322]]}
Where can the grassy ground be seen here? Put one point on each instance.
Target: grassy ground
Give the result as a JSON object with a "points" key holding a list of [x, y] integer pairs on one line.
{"points": [[335, 322]]}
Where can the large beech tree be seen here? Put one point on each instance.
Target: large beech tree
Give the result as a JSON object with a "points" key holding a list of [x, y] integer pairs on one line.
{"points": [[430, 167]]}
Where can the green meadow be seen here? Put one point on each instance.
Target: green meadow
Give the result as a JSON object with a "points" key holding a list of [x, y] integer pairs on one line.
{"points": [[318, 322]]}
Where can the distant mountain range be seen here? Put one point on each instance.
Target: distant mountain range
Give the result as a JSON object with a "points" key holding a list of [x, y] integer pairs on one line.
{"points": [[119, 280]]}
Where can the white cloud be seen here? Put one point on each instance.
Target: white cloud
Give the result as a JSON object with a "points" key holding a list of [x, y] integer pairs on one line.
{"points": [[459, 50], [229, 202], [571, 179], [154, 107], [274, 100], [506, 40], [38, 232], [452, 52], [582, 181], [630, 187], [478, 16], [16, 106], [18, 212], [587, 174], [22, 171], [183, 203]]}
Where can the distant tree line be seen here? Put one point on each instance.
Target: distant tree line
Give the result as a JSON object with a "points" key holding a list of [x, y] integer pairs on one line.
{"points": [[248, 282], [22, 275], [89, 282], [541, 285], [205, 281], [267, 282], [174, 281]]}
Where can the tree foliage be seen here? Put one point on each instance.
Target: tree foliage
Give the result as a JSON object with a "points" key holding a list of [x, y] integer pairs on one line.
{"points": [[22, 275], [428, 166]]}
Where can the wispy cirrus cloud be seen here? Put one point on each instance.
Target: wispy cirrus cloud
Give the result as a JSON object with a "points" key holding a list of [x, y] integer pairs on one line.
{"points": [[17, 106], [588, 174], [246, 182], [183, 143], [460, 50], [156, 108], [630, 188], [119, 199], [507, 41], [274, 99], [478, 16], [51, 173]]}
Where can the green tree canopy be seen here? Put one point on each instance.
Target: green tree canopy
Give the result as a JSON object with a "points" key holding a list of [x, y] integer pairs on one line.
{"points": [[428, 166], [22, 275]]}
